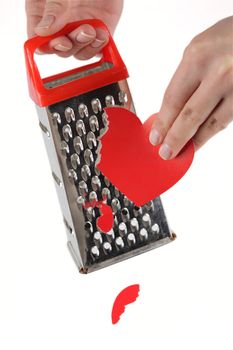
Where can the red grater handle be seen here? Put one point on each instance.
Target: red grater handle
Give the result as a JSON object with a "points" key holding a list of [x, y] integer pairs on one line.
{"points": [[46, 96]]}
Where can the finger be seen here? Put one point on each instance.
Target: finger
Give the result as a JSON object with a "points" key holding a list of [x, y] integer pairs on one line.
{"points": [[58, 45], [54, 18], [216, 122], [34, 11], [183, 84], [195, 112], [95, 47], [82, 36], [66, 46]]}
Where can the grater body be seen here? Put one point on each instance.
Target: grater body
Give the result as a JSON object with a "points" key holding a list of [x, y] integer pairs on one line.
{"points": [[71, 130], [70, 108]]}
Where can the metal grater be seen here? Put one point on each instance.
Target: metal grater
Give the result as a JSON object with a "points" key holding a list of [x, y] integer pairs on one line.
{"points": [[70, 109]]}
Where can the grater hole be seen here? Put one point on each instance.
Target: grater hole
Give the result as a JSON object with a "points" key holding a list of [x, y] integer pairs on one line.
{"points": [[124, 211], [88, 225]]}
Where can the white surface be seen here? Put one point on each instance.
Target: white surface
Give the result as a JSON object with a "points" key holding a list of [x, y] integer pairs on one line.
{"points": [[186, 287]]}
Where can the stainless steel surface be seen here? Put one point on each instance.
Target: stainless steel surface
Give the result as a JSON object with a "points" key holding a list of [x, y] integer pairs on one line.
{"points": [[122, 229], [131, 239], [80, 127], [93, 196], [80, 202], [143, 234], [125, 214], [94, 123], [137, 211], [64, 148], [75, 76], [75, 161], [119, 243], [106, 194], [95, 183], [67, 132], [85, 172], [110, 236], [78, 144], [69, 114], [98, 238], [83, 189], [146, 220], [70, 131], [115, 205], [155, 229], [107, 247], [134, 225], [82, 110], [72, 175], [91, 140], [90, 213], [96, 105], [56, 118], [109, 101], [88, 157]]}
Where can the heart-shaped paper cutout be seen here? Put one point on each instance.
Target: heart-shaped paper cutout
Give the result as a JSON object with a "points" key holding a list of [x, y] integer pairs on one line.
{"points": [[132, 163]]}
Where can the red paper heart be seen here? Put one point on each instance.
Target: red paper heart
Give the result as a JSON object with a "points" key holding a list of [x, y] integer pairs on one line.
{"points": [[132, 164]]}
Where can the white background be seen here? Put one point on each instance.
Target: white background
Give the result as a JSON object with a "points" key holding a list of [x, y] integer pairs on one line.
{"points": [[186, 287]]}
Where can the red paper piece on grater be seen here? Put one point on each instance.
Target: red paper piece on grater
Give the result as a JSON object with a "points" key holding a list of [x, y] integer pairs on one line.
{"points": [[132, 163], [106, 220]]}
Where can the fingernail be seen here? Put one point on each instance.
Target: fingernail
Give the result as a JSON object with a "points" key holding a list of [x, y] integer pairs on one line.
{"points": [[83, 37], [60, 47], [46, 22], [154, 137], [165, 151], [97, 43]]}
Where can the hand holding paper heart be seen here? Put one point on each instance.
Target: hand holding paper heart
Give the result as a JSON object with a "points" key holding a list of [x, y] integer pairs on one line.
{"points": [[132, 163]]}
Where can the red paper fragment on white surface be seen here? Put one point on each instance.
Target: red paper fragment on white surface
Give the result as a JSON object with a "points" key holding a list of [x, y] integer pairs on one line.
{"points": [[125, 297]]}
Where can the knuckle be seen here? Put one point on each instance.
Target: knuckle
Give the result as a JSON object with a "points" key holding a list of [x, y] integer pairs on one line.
{"points": [[173, 139], [196, 51], [198, 142], [225, 68], [190, 115], [34, 7], [158, 124], [170, 100], [55, 6], [216, 125]]}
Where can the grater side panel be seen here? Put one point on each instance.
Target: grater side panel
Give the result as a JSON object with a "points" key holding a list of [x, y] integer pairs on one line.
{"points": [[57, 165]]}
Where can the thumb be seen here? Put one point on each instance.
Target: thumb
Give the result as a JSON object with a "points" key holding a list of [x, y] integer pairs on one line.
{"points": [[55, 17]]}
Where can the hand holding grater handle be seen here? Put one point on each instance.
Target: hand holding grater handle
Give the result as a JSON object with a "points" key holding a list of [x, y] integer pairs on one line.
{"points": [[70, 108], [43, 96]]}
